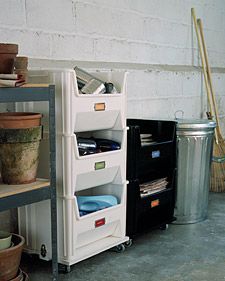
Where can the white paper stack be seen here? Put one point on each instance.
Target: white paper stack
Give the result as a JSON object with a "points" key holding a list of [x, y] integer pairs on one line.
{"points": [[11, 80], [153, 186]]}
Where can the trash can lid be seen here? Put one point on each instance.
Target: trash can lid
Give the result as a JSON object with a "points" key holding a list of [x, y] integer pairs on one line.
{"points": [[195, 124]]}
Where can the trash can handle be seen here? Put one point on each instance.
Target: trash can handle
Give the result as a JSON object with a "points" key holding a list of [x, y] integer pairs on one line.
{"points": [[177, 112]]}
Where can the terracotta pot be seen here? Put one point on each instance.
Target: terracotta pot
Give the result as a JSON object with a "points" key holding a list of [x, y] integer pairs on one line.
{"points": [[23, 73], [19, 154], [10, 258], [14, 120], [8, 53], [21, 63], [19, 276]]}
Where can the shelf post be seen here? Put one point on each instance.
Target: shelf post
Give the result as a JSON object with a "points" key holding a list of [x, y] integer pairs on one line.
{"points": [[53, 181]]}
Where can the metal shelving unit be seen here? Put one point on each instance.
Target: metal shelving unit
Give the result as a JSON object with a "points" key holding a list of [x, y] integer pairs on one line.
{"points": [[13, 196]]}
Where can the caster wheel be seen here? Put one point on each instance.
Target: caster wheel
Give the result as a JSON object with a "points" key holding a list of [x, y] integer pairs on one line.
{"points": [[64, 268], [128, 243], [164, 227], [67, 268], [120, 248]]}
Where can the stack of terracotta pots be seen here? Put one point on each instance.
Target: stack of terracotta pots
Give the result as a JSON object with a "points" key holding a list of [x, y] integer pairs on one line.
{"points": [[10, 62], [20, 65], [8, 53], [10, 260]]}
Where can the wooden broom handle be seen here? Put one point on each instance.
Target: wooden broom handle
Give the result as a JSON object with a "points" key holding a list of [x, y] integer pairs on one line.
{"points": [[202, 59], [203, 64], [199, 21]]}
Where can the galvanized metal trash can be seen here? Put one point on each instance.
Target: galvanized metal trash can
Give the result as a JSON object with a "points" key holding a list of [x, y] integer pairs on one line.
{"points": [[194, 144]]}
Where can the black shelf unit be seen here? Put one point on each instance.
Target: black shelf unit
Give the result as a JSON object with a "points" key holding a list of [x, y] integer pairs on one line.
{"points": [[20, 195], [151, 156]]}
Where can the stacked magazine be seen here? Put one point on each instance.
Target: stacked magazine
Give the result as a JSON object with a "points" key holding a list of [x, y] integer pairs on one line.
{"points": [[153, 186], [146, 139], [11, 80]]}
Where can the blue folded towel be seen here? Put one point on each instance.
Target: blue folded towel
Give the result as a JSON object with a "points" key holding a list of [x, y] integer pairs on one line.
{"points": [[89, 204]]}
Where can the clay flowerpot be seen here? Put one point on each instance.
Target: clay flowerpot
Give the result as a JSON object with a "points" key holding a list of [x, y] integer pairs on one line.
{"points": [[8, 53], [21, 63], [16, 120], [5, 240], [19, 276], [23, 74], [19, 154], [10, 258]]}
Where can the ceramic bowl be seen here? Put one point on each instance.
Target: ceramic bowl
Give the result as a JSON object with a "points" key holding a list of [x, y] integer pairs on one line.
{"points": [[5, 240]]}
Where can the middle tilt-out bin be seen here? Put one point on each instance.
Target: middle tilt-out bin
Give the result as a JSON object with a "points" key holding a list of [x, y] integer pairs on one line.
{"points": [[151, 172]]}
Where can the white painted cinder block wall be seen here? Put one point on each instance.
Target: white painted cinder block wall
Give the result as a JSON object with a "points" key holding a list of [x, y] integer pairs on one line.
{"points": [[153, 39]]}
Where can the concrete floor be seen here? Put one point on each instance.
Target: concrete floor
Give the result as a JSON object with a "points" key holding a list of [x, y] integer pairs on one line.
{"points": [[191, 252]]}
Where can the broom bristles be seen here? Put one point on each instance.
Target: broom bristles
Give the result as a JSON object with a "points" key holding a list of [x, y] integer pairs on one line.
{"points": [[218, 169]]}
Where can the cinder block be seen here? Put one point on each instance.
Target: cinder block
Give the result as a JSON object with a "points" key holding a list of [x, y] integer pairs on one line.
{"points": [[215, 40], [115, 4], [54, 15], [220, 99], [112, 50], [98, 20], [165, 108], [72, 47], [144, 53], [170, 10], [31, 44], [164, 92], [170, 84], [192, 83], [218, 81], [212, 15], [12, 13], [142, 84], [161, 31]]}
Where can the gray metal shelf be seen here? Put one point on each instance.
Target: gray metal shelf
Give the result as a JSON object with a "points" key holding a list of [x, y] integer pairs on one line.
{"points": [[37, 92]]}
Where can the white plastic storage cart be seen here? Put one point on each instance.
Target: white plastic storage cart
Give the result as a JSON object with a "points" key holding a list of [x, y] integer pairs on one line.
{"points": [[80, 115]]}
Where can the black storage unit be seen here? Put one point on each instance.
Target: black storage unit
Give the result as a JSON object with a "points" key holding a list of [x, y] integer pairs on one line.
{"points": [[151, 172]]}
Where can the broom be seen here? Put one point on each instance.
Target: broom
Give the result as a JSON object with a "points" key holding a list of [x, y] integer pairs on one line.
{"points": [[218, 166]]}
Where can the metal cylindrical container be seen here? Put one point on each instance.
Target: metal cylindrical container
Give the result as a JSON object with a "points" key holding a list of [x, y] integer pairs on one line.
{"points": [[194, 144]]}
